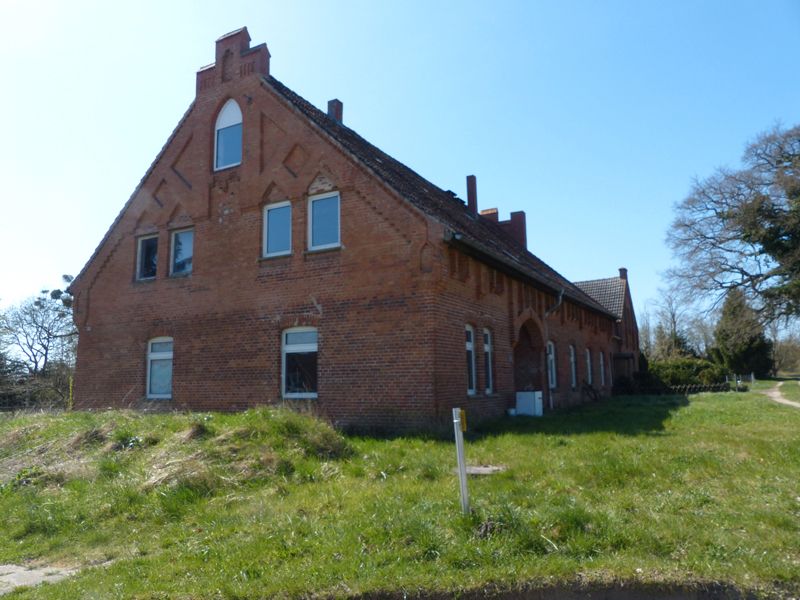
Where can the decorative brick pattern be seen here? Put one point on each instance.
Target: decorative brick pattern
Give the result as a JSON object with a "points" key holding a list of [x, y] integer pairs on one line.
{"points": [[390, 304]]}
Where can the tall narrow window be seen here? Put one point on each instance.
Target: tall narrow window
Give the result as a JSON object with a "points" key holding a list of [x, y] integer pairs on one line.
{"points": [[552, 376], [299, 347], [323, 222], [146, 257], [588, 366], [181, 252], [573, 367], [472, 385], [278, 229], [228, 136], [488, 362], [602, 367], [159, 368]]}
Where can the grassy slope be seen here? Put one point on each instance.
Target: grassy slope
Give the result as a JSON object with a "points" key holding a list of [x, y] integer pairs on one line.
{"points": [[271, 502]]}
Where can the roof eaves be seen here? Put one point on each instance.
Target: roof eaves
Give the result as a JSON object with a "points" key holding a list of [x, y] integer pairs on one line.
{"points": [[527, 272]]}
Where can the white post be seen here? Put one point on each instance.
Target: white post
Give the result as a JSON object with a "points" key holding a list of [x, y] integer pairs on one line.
{"points": [[462, 465]]}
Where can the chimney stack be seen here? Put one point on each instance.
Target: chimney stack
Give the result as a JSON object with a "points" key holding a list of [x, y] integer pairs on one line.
{"points": [[335, 109], [472, 194], [623, 273]]}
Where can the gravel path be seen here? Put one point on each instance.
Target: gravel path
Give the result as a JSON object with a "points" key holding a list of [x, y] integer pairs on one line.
{"points": [[14, 576], [775, 395]]}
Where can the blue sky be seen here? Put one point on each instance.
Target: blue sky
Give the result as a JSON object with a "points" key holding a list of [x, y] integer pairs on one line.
{"points": [[593, 117]]}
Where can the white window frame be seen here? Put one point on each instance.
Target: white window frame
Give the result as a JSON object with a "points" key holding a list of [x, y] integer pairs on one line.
{"points": [[172, 252], [311, 200], [298, 348], [265, 225], [223, 121], [589, 379], [139, 241], [151, 356], [472, 383], [488, 360], [552, 373], [573, 367], [602, 364]]}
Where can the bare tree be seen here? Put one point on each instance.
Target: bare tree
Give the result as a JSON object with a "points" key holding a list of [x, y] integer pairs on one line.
{"points": [[40, 330], [741, 229]]}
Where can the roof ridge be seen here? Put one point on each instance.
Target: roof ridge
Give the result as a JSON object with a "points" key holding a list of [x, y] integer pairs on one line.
{"points": [[442, 205]]}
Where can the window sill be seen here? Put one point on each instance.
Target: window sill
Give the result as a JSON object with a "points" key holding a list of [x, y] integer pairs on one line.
{"points": [[226, 167], [269, 257], [305, 397], [144, 280], [323, 250], [180, 275]]}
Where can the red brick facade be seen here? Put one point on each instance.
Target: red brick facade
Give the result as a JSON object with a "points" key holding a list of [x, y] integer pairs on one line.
{"points": [[390, 304]]}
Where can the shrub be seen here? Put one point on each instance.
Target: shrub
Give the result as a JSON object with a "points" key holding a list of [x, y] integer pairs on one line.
{"points": [[687, 371]]}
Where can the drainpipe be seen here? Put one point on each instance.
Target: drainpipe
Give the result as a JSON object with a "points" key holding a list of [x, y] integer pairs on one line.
{"points": [[547, 313]]}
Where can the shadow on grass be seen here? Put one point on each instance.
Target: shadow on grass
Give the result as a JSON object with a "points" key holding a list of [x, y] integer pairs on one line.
{"points": [[625, 415]]}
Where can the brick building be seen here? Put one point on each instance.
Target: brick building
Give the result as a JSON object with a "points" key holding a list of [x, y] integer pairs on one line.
{"points": [[328, 274]]}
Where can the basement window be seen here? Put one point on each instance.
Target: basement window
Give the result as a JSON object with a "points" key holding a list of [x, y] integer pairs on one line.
{"points": [[277, 229], [228, 137], [182, 251], [299, 364], [470, 338], [159, 368], [146, 257], [323, 222]]}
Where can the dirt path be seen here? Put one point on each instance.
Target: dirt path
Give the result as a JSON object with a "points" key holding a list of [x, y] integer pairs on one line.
{"points": [[775, 395], [14, 576]]}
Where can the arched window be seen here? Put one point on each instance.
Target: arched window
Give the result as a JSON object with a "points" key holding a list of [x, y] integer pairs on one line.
{"points": [[488, 362], [588, 366], [552, 376], [299, 352], [470, 337], [159, 368], [602, 366], [573, 367], [228, 137]]}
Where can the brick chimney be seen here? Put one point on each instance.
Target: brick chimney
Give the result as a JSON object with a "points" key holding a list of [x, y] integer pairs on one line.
{"points": [[516, 227], [490, 214], [234, 60], [335, 109], [472, 194], [623, 273]]}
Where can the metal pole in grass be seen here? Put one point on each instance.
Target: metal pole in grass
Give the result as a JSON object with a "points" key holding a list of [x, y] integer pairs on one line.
{"points": [[460, 425]]}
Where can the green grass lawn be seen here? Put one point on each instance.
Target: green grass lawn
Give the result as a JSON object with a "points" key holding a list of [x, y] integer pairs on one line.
{"points": [[791, 390], [270, 502]]}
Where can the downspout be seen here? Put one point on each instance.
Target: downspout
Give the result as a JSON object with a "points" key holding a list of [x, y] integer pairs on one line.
{"points": [[547, 341]]}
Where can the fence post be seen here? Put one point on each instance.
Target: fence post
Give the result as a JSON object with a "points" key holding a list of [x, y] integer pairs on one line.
{"points": [[458, 426]]}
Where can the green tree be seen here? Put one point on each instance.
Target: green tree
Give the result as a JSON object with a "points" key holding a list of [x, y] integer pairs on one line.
{"points": [[741, 345], [740, 229]]}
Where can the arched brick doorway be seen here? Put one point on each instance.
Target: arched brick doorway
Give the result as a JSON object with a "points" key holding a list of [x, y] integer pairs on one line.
{"points": [[529, 366]]}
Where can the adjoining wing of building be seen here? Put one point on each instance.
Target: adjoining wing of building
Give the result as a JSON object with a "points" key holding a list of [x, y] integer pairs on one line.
{"points": [[271, 254]]}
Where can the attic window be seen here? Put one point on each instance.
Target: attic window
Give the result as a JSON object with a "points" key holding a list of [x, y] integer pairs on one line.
{"points": [[228, 137], [146, 257]]}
